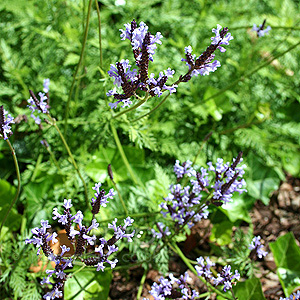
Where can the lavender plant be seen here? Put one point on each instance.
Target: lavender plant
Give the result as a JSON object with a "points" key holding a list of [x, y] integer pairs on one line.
{"points": [[144, 45], [186, 205], [86, 247]]}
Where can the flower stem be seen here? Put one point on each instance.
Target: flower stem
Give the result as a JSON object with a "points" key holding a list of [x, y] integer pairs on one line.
{"points": [[138, 215], [122, 153], [132, 107], [53, 122], [153, 109], [100, 37], [19, 183], [140, 290], [78, 66], [206, 138], [120, 197], [247, 74], [177, 250]]}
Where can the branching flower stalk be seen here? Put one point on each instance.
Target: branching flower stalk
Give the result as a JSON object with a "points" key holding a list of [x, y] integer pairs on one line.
{"points": [[5, 132], [40, 106], [143, 47], [81, 240]]}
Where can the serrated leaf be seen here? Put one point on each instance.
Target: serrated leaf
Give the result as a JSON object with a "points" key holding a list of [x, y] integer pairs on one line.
{"points": [[71, 59], [249, 290]]}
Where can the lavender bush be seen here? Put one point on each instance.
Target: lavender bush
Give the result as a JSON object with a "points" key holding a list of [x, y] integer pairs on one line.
{"points": [[197, 193]]}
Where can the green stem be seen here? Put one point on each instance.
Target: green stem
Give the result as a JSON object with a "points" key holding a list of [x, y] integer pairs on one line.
{"points": [[122, 153], [177, 250], [232, 293], [19, 183], [100, 37], [132, 107], [139, 215], [53, 122], [78, 66], [206, 138], [140, 290], [247, 74], [121, 198], [153, 109]]}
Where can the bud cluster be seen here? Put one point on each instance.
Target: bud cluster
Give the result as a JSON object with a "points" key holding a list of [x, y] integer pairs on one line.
{"points": [[261, 30], [173, 288], [225, 277], [204, 64]]}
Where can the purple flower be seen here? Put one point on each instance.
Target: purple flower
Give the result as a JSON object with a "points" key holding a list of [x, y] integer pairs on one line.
{"points": [[5, 120], [186, 168], [143, 45], [256, 246], [226, 278], [260, 29], [80, 240], [174, 288], [228, 179], [46, 84], [37, 106], [204, 64], [294, 296], [204, 269], [163, 230]]}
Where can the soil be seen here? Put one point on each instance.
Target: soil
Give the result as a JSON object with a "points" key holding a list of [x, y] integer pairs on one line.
{"points": [[270, 222]]}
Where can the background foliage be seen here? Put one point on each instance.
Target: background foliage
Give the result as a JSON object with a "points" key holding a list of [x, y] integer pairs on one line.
{"points": [[247, 108]]}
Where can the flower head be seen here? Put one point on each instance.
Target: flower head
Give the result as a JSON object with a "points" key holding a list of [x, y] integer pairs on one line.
{"points": [[261, 30], [256, 247], [205, 63], [37, 106], [5, 120]]}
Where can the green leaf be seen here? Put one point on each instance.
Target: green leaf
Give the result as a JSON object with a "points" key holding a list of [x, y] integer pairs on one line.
{"points": [[263, 180], [249, 290], [7, 194], [221, 233], [88, 285], [287, 258], [71, 59], [238, 208]]}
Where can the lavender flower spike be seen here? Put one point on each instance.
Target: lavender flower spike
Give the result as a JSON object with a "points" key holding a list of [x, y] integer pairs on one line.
{"points": [[39, 106], [173, 288], [5, 120], [226, 278], [143, 45], [204, 64], [256, 246], [260, 29]]}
